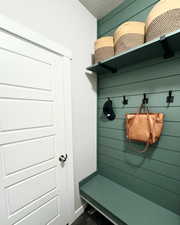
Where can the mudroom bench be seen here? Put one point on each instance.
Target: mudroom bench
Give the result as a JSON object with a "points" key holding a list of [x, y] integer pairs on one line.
{"points": [[122, 206]]}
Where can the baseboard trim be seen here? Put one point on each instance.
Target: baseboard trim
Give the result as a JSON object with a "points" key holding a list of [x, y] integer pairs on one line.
{"points": [[79, 211]]}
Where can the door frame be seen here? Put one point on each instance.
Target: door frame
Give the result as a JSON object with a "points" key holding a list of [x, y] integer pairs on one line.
{"points": [[23, 33]]}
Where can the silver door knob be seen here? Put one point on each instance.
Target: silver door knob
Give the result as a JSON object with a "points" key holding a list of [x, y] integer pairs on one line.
{"points": [[63, 158]]}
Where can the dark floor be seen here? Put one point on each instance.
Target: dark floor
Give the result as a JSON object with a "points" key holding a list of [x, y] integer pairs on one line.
{"points": [[94, 219]]}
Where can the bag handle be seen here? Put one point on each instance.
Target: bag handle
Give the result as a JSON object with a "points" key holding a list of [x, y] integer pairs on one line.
{"points": [[145, 107], [145, 149]]}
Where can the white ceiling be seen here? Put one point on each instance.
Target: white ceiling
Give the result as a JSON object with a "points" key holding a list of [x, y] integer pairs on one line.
{"points": [[100, 8]]}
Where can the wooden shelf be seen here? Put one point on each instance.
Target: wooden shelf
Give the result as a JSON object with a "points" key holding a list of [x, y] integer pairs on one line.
{"points": [[123, 206], [164, 46]]}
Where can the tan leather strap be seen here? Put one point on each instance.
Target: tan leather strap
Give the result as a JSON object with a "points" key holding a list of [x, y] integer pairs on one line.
{"points": [[145, 149], [145, 107]]}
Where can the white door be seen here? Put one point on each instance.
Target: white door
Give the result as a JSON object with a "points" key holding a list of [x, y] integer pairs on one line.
{"points": [[33, 182]]}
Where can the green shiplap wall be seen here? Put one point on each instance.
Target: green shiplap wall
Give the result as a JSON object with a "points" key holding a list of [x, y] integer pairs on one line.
{"points": [[155, 174]]}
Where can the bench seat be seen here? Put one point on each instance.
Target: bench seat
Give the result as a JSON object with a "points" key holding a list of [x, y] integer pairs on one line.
{"points": [[122, 206]]}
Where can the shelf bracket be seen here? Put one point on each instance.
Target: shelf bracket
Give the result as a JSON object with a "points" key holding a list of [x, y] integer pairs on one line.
{"points": [[109, 68], [168, 52]]}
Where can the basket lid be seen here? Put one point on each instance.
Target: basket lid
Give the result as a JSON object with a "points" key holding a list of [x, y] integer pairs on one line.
{"points": [[160, 8], [129, 27], [104, 42]]}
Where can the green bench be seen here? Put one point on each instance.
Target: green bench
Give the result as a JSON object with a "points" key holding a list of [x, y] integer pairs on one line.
{"points": [[122, 206]]}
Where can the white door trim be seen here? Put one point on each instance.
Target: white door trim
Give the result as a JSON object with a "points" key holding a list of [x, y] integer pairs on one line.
{"points": [[13, 28], [21, 32]]}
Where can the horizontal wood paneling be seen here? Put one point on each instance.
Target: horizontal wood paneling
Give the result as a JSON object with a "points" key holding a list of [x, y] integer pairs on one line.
{"points": [[155, 152], [147, 175], [137, 162], [171, 129], [143, 73], [156, 174], [131, 10], [115, 11], [116, 134]]}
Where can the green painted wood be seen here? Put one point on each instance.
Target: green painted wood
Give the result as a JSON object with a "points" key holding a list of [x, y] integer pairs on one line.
{"points": [[153, 71], [171, 129], [139, 162], [155, 152], [165, 142], [154, 175], [140, 65], [163, 83], [137, 17], [115, 11], [129, 12], [126, 205], [116, 161]]}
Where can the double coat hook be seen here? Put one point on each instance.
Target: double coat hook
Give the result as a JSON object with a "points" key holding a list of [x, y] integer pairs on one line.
{"points": [[170, 98], [145, 99], [125, 100]]}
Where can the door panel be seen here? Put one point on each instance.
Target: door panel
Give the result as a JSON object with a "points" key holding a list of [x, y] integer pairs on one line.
{"points": [[12, 92], [33, 184], [25, 48], [25, 192], [33, 208], [28, 172], [27, 150], [20, 114], [25, 135], [45, 214], [25, 71]]}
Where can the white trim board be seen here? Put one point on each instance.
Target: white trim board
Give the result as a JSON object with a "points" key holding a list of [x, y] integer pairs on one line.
{"points": [[79, 211], [20, 31]]}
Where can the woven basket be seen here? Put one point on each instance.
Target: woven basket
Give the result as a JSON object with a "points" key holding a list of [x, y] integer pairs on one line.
{"points": [[163, 18], [129, 35], [104, 48]]}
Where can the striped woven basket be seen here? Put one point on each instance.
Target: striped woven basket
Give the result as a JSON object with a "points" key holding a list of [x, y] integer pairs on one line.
{"points": [[163, 18], [129, 35], [104, 48]]}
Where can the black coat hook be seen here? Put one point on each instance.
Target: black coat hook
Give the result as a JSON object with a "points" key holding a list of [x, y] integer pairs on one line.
{"points": [[145, 99], [170, 98], [125, 100]]}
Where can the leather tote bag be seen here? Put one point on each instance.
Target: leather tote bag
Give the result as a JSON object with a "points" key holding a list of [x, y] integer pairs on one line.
{"points": [[144, 126]]}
